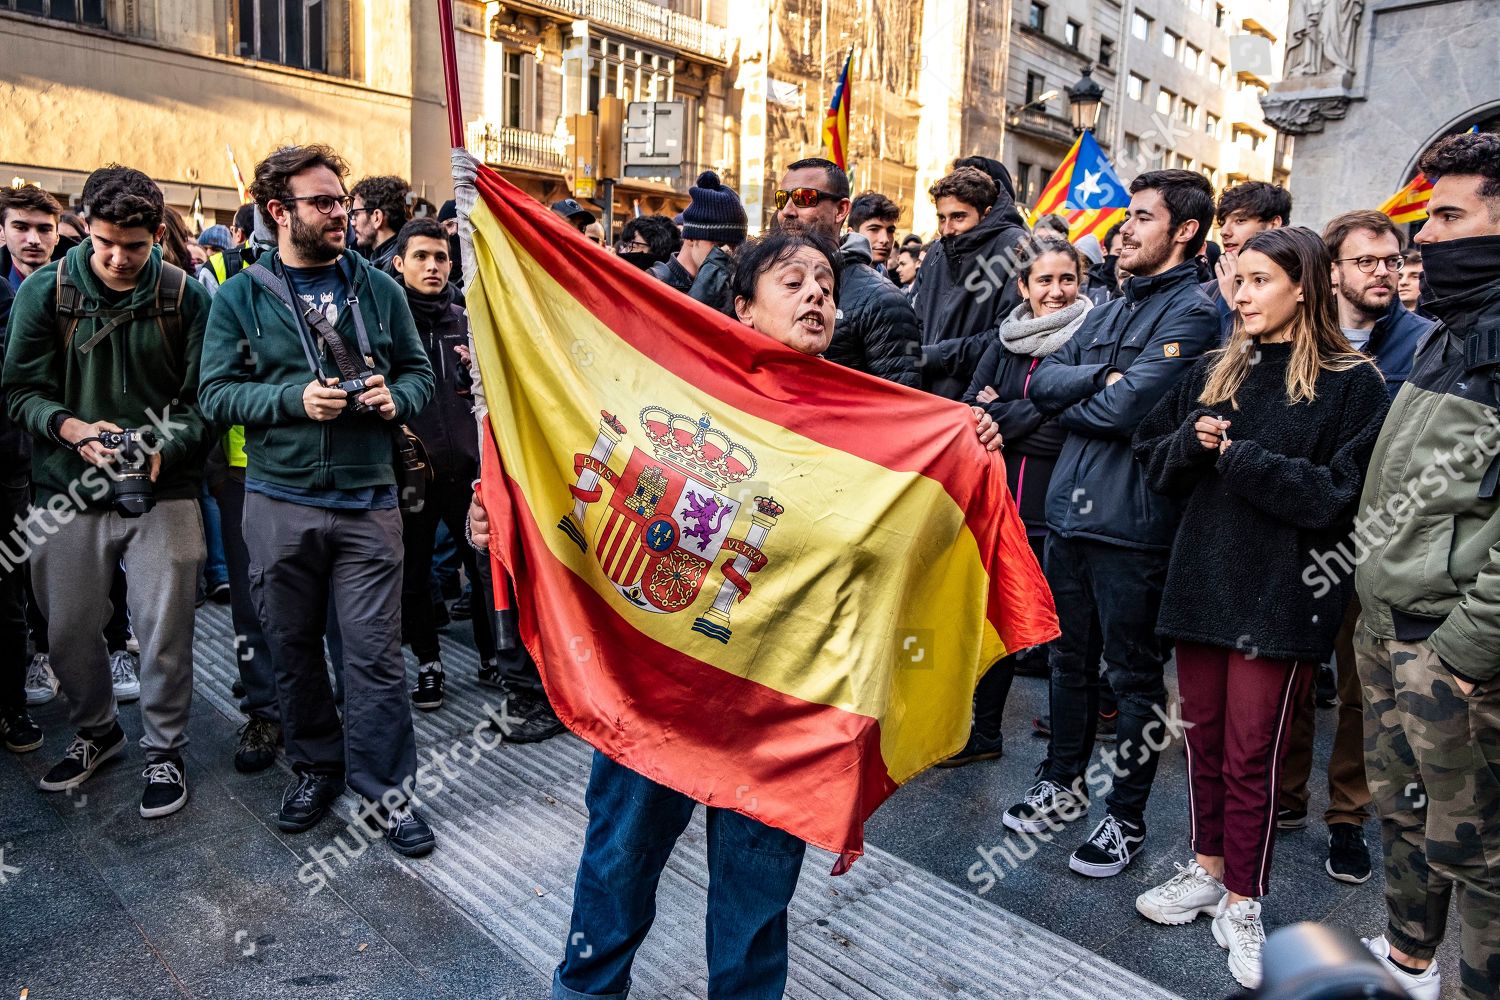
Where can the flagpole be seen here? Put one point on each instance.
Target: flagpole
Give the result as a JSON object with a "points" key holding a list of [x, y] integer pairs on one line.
{"points": [[450, 74]]}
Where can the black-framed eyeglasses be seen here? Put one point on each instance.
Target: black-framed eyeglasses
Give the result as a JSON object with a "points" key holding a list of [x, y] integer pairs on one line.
{"points": [[1367, 264], [323, 202], [635, 246], [803, 197]]}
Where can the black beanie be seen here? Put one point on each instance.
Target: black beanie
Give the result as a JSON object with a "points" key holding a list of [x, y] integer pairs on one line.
{"points": [[715, 213]]}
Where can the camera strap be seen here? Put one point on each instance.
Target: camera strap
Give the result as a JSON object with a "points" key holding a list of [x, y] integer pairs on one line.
{"points": [[317, 323]]}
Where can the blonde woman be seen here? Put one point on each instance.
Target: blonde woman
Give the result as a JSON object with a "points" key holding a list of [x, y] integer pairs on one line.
{"points": [[1267, 438]]}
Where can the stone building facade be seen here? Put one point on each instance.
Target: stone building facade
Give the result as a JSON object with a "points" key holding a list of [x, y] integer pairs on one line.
{"points": [[1370, 84]]}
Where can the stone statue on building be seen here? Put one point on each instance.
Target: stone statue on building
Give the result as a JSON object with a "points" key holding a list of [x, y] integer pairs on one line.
{"points": [[1323, 35]]}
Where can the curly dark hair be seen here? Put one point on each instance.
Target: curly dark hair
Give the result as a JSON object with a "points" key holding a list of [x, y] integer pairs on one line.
{"points": [[1261, 200], [124, 197], [656, 231], [969, 185], [755, 257], [872, 205], [386, 193], [273, 175], [1470, 153]]}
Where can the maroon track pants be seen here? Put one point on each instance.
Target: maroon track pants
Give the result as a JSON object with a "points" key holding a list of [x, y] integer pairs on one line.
{"points": [[1239, 711]]}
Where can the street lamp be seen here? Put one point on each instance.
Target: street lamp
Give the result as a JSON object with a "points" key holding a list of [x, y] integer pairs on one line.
{"points": [[1084, 99]]}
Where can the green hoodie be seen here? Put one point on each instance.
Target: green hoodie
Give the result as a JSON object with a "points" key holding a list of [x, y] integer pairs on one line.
{"points": [[132, 378], [255, 370]]}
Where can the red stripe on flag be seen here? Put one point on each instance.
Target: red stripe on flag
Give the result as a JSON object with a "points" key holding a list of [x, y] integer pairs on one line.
{"points": [[667, 712], [754, 374], [1055, 194]]}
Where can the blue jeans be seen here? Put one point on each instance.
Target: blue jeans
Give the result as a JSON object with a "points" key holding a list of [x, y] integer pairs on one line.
{"points": [[633, 825], [215, 568]]}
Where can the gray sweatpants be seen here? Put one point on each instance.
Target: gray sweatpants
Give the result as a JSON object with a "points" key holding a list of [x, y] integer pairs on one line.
{"points": [[71, 572]]}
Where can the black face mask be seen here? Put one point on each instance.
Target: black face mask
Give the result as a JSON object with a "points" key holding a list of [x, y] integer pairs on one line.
{"points": [[642, 259], [1454, 267]]}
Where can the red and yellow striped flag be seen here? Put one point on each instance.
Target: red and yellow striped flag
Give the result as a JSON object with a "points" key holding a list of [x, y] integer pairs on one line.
{"points": [[754, 576], [1410, 203], [836, 119], [1055, 196]]}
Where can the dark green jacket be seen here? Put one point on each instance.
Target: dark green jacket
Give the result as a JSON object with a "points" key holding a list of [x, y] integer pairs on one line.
{"points": [[130, 375], [254, 373]]}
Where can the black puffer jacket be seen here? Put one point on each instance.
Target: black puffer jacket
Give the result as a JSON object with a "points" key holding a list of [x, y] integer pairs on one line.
{"points": [[671, 272], [1152, 335], [446, 424], [963, 290], [877, 331], [1286, 488]]}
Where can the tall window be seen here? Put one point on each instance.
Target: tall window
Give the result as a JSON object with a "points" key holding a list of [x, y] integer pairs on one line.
{"points": [[1135, 86], [1073, 33], [1216, 74], [1025, 174], [1187, 113], [513, 82], [1192, 57], [1169, 42], [1211, 125], [1036, 86], [1038, 16], [1106, 52], [1140, 26], [290, 32], [77, 11], [1164, 100]]}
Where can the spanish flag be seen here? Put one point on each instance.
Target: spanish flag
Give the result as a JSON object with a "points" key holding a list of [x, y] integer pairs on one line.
{"points": [[1085, 190], [1410, 203], [836, 119], [751, 575]]}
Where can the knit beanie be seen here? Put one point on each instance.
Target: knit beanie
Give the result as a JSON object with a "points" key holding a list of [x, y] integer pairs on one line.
{"points": [[715, 213]]}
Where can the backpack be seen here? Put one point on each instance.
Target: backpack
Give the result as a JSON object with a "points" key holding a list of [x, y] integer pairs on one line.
{"points": [[73, 308]]}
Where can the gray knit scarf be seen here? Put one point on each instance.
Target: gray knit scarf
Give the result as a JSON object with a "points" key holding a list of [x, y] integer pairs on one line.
{"points": [[1039, 336]]}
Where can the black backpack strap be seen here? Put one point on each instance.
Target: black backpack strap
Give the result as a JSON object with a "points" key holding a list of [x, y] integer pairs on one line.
{"points": [[69, 309], [171, 288]]}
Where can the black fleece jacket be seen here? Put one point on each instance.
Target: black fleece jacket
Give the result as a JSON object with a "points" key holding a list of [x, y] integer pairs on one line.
{"points": [[1287, 486]]}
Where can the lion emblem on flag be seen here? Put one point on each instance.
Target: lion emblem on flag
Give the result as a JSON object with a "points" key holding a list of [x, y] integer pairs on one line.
{"points": [[668, 515]]}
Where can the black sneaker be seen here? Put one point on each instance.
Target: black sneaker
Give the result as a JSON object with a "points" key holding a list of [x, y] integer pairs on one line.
{"points": [[82, 759], [978, 748], [1112, 846], [1047, 805], [20, 733], [306, 800], [463, 608], [1032, 662], [526, 719], [1291, 819], [166, 788], [259, 739], [219, 593], [489, 674], [1108, 729], [1348, 857], [1326, 686], [428, 694], [408, 834]]}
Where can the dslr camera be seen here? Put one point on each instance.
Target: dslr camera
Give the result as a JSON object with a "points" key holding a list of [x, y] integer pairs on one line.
{"points": [[355, 387], [133, 493]]}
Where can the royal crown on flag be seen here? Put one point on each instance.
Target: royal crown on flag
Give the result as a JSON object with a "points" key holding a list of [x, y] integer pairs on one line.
{"points": [[697, 447]]}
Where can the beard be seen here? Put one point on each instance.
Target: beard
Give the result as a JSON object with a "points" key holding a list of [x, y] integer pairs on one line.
{"points": [[312, 241], [1364, 304], [1151, 257]]}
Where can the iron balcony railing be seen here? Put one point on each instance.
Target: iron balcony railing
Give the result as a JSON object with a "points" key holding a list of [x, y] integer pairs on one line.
{"points": [[503, 146], [649, 21]]}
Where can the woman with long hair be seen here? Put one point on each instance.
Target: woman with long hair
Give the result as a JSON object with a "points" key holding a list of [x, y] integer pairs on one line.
{"points": [[1267, 438], [1049, 274]]}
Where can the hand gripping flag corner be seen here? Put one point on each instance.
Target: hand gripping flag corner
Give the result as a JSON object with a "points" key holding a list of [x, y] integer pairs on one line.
{"points": [[750, 575]]}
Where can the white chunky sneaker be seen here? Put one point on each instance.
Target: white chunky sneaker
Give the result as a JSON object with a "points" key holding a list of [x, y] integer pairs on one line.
{"points": [[123, 673], [1239, 931], [41, 682], [1427, 986], [1183, 898]]}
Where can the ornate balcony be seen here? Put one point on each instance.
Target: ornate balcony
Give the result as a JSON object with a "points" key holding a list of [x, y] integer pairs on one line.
{"points": [[502, 146], [650, 22]]}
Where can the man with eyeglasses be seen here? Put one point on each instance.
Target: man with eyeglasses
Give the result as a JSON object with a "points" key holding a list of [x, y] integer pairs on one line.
{"points": [[1366, 252], [378, 213], [321, 513]]}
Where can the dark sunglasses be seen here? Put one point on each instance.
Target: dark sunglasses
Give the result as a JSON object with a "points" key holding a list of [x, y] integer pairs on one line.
{"points": [[801, 197], [322, 202]]}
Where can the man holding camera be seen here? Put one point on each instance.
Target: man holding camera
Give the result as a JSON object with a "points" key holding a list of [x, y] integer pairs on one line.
{"points": [[315, 353], [101, 370]]}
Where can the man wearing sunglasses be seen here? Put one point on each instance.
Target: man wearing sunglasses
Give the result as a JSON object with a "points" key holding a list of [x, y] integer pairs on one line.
{"points": [[814, 195], [321, 517]]}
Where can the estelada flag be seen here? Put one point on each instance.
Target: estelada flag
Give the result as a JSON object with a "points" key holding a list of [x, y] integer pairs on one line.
{"points": [[1085, 190], [756, 577], [1410, 203], [836, 119]]}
